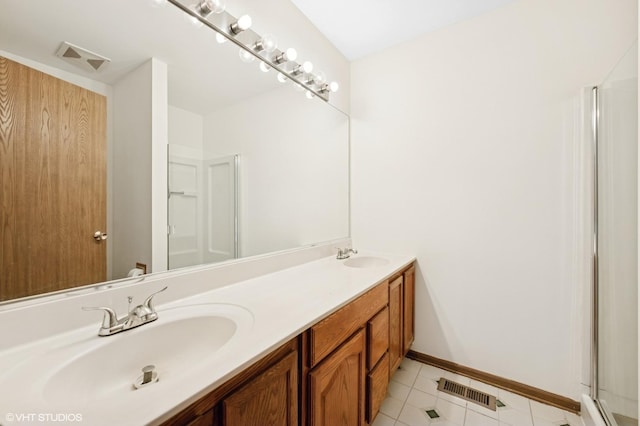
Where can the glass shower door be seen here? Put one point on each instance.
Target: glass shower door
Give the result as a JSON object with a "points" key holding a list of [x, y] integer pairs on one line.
{"points": [[617, 236]]}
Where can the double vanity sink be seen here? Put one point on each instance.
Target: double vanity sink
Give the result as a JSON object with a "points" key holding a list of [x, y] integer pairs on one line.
{"points": [[196, 344]]}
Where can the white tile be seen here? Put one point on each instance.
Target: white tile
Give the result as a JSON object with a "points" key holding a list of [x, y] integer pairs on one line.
{"points": [[477, 419], [398, 391], [431, 371], [426, 384], [514, 401], [383, 420], [391, 407], [406, 377], [538, 421], [410, 365], [515, 417], [451, 412], [547, 412], [482, 410], [421, 399], [452, 398], [574, 419], [414, 416]]}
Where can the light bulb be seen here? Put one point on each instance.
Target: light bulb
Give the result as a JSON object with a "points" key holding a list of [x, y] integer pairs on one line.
{"points": [[220, 38], [245, 56], [207, 7], [320, 77], [282, 78], [329, 87], [243, 23], [267, 43], [264, 67], [291, 54], [306, 67], [288, 55], [309, 95]]}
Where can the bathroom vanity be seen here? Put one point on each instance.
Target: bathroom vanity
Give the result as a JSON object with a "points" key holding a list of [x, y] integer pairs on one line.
{"points": [[268, 341], [334, 372]]}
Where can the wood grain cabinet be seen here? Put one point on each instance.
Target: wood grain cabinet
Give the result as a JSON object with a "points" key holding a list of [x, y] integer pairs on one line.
{"points": [[336, 373], [395, 323], [347, 359], [336, 386], [266, 393], [401, 316], [271, 398], [408, 308]]}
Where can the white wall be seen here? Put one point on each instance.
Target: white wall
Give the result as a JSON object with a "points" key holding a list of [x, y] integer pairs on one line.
{"points": [[464, 153], [294, 170], [140, 160]]}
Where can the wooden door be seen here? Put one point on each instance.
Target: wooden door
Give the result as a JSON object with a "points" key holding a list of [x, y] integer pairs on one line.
{"points": [[395, 324], [336, 386], [52, 183], [269, 399], [409, 308]]}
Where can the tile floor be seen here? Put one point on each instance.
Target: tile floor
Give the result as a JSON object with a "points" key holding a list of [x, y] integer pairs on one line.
{"points": [[413, 391]]}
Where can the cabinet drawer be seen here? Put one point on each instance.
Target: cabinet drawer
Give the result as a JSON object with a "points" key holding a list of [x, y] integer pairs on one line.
{"points": [[329, 333], [377, 337], [377, 383]]}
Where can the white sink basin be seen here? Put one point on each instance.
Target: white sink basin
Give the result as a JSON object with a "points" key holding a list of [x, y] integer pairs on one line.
{"points": [[104, 368], [365, 262]]}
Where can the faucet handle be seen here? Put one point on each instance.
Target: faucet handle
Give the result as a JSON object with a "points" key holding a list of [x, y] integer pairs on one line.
{"points": [[148, 303], [109, 320]]}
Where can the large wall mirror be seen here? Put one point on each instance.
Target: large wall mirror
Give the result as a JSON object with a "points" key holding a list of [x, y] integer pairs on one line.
{"points": [[174, 153]]}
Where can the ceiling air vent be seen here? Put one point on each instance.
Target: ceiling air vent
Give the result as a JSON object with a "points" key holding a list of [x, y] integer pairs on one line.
{"points": [[81, 57]]}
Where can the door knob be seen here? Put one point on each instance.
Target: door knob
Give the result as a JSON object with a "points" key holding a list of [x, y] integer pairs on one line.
{"points": [[99, 236]]}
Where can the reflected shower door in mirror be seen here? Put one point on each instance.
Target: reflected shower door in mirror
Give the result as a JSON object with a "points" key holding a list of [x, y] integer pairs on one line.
{"points": [[203, 208], [175, 86]]}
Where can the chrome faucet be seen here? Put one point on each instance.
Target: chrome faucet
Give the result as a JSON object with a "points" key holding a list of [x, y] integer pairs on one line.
{"points": [[345, 253], [137, 316]]}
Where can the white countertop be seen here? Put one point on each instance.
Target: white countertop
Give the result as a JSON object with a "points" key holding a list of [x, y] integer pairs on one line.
{"points": [[283, 304]]}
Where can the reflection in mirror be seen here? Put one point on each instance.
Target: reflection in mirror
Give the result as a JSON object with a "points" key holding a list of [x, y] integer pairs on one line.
{"points": [[272, 165]]}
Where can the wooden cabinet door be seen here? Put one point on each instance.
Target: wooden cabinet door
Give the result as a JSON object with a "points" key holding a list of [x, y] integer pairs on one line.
{"points": [[377, 384], [271, 398], [395, 325], [409, 308], [336, 386]]}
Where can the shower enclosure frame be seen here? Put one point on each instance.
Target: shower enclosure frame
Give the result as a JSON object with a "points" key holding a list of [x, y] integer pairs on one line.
{"points": [[607, 416]]}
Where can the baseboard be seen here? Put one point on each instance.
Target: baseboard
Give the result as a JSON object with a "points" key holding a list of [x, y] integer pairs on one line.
{"points": [[527, 391]]}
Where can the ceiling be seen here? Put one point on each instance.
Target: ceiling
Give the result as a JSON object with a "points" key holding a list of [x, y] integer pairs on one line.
{"points": [[128, 33], [361, 27]]}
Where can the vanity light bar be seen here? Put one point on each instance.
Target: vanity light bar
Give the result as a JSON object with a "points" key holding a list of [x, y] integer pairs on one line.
{"points": [[238, 31]]}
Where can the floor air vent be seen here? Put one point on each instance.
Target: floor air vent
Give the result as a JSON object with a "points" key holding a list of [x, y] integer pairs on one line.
{"points": [[465, 392]]}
